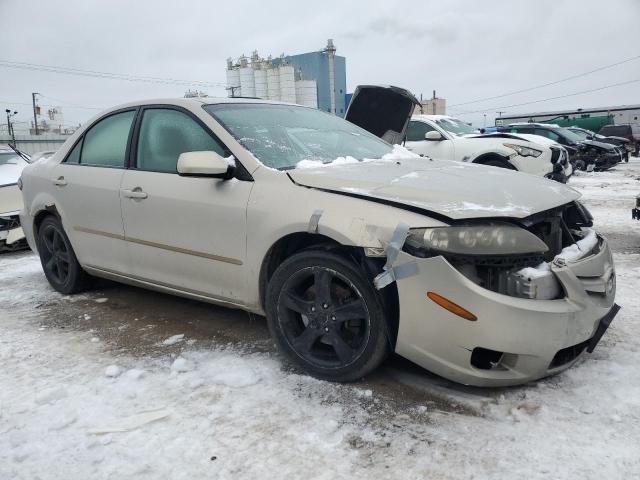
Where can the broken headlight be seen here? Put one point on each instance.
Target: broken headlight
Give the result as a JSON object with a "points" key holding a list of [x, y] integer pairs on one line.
{"points": [[523, 151], [492, 239]]}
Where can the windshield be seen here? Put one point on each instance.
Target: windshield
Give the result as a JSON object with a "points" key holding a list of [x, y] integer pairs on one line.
{"points": [[455, 126], [569, 135], [581, 133], [281, 136]]}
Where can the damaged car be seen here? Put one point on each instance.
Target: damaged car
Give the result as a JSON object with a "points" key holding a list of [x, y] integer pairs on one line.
{"points": [[12, 162], [584, 154], [352, 247]]}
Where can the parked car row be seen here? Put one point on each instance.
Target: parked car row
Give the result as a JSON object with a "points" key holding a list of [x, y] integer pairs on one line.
{"points": [[351, 245], [584, 154], [12, 162]]}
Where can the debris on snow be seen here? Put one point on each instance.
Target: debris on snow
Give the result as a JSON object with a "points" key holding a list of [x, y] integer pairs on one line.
{"points": [[181, 365], [131, 423]]}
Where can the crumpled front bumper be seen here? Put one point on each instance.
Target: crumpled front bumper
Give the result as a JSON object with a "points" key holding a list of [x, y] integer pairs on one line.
{"points": [[10, 230], [536, 337]]}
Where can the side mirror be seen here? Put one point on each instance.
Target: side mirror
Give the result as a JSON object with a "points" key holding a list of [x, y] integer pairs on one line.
{"points": [[204, 164], [590, 137], [433, 136]]}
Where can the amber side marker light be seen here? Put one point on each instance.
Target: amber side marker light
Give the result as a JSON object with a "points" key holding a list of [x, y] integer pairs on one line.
{"points": [[452, 307]]}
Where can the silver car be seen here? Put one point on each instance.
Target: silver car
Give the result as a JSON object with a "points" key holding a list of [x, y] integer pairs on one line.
{"points": [[352, 247]]}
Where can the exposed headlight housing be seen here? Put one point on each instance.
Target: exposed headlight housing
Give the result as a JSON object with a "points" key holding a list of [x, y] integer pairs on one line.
{"points": [[492, 239], [523, 151]]}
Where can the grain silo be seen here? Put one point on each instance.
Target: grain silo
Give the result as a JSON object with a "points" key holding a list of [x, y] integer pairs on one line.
{"points": [[307, 93], [287, 83]]}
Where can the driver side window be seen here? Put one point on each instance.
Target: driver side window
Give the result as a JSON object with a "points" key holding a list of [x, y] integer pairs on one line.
{"points": [[417, 130], [165, 134]]}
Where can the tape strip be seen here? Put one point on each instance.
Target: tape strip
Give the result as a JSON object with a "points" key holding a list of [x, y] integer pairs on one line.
{"points": [[313, 221], [390, 273]]}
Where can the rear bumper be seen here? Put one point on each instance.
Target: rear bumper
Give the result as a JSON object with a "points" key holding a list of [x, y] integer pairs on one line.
{"points": [[534, 338]]}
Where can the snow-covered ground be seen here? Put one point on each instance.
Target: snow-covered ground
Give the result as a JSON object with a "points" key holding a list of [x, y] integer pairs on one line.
{"points": [[73, 408]]}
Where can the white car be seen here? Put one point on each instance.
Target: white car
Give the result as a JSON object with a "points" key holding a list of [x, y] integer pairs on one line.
{"points": [[448, 138], [352, 247], [12, 162]]}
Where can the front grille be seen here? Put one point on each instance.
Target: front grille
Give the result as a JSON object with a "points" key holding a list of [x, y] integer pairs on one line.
{"points": [[568, 354]]}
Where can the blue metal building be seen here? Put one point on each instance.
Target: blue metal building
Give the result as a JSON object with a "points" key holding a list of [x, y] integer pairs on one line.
{"points": [[315, 66]]}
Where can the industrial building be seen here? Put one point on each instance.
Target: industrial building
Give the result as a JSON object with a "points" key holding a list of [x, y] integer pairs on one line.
{"points": [[314, 79], [590, 118], [432, 106]]}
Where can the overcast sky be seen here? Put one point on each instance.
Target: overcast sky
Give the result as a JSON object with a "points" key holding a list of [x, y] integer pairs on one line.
{"points": [[466, 50]]}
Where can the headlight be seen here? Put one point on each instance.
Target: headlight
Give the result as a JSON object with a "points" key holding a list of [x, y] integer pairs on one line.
{"points": [[523, 151], [493, 239]]}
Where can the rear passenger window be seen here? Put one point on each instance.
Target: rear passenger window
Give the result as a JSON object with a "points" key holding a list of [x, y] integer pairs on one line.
{"points": [[417, 130], [74, 155], [165, 134], [105, 144]]}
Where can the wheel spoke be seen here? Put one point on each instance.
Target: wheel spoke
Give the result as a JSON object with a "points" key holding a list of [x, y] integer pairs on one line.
{"points": [[48, 242], [322, 286], [57, 241], [49, 264], [296, 303], [64, 256], [61, 270], [343, 350], [305, 341], [350, 311]]}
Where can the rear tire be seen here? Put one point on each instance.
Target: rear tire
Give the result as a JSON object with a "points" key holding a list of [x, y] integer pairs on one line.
{"points": [[326, 316], [59, 262]]}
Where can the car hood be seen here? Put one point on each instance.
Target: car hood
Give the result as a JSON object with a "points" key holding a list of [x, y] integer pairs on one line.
{"points": [[451, 189], [600, 145], [382, 110], [10, 172]]}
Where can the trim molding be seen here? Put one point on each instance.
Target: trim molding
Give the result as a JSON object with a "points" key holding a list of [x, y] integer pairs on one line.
{"points": [[162, 246]]}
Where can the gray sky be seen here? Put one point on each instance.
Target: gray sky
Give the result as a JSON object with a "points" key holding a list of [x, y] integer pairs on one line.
{"points": [[466, 50]]}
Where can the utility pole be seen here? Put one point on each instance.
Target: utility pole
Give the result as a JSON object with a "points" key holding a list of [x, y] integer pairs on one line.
{"points": [[35, 117]]}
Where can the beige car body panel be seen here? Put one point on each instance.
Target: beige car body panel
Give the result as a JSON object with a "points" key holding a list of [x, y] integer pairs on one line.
{"points": [[162, 241]]}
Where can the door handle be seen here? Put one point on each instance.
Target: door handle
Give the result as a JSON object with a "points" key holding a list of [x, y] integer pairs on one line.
{"points": [[60, 181], [136, 193]]}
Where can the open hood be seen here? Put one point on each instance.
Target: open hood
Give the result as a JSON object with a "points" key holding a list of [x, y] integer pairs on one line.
{"points": [[454, 190], [382, 110]]}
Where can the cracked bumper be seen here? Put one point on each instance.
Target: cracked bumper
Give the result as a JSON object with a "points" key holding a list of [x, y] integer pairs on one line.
{"points": [[532, 334]]}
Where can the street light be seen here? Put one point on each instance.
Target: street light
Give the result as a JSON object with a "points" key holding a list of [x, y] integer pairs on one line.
{"points": [[10, 126]]}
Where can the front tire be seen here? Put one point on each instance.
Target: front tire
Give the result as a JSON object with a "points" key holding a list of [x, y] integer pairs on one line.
{"points": [[59, 262], [326, 317], [499, 164]]}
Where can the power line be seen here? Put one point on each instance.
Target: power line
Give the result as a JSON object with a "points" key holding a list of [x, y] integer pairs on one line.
{"points": [[550, 98], [549, 83], [107, 75], [7, 102]]}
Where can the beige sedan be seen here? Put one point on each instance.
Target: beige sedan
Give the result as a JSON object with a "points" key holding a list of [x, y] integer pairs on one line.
{"points": [[353, 248]]}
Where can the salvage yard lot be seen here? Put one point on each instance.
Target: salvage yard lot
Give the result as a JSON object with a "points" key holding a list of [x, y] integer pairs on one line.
{"points": [[120, 382]]}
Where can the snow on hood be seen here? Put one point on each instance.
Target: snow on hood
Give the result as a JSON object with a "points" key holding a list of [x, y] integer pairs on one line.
{"points": [[453, 189], [10, 168], [399, 152]]}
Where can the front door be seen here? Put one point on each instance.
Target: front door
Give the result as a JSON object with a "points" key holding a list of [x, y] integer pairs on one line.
{"points": [[86, 188], [415, 141], [183, 232]]}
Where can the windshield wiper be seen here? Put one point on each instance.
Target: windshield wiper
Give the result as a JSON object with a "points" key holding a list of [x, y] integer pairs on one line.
{"points": [[24, 156]]}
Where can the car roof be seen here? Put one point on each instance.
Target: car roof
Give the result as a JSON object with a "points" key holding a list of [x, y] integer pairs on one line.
{"points": [[533, 124], [195, 101]]}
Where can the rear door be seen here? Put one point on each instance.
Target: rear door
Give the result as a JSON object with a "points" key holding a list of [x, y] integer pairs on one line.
{"points": [[183, 232], [86, 188]]}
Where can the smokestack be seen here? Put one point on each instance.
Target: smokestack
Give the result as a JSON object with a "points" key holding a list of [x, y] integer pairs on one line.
{"points": [[331, 53]]}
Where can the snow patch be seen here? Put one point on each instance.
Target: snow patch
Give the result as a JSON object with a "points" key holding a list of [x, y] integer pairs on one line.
{"points": [[173, 339], [112, 371]]}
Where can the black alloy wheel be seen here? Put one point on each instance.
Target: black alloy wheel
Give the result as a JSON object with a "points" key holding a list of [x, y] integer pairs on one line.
{"points": [[58, 259], [326, 316]]}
